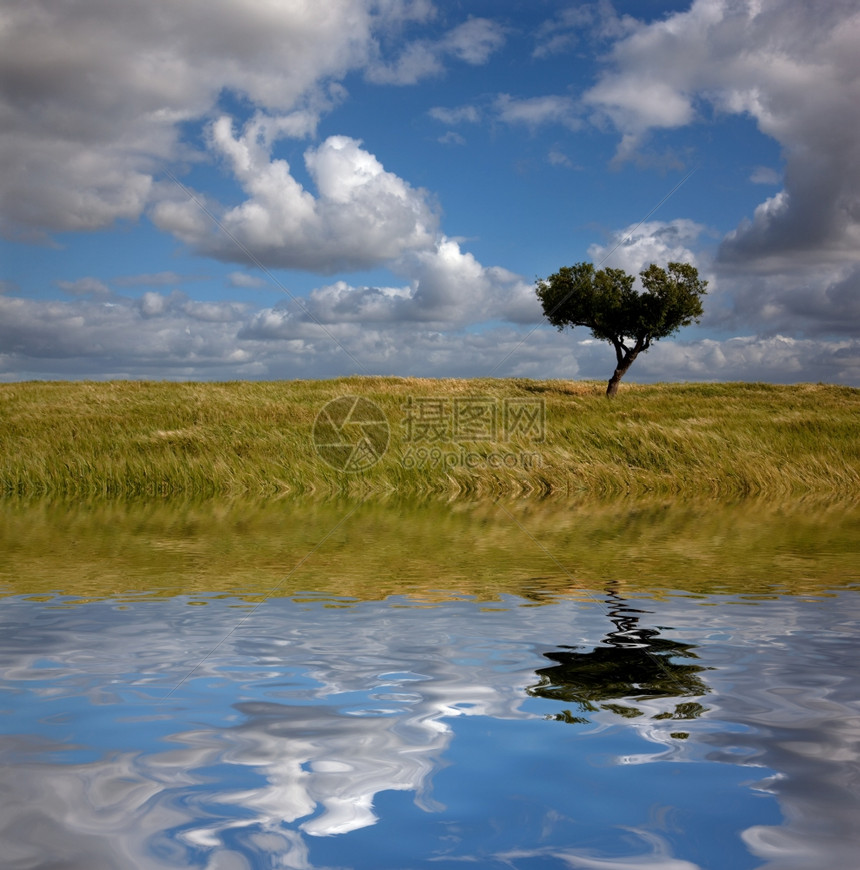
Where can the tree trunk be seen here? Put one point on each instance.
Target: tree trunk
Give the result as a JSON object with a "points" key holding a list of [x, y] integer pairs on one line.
{"points": [[620, 371], [625, 356], [612, 386]]}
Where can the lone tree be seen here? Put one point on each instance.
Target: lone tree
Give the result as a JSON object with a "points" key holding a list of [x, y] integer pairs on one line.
{"points": [[606, 302]]}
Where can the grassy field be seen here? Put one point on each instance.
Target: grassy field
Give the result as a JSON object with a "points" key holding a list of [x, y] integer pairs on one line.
{"points": [[128, 438]]}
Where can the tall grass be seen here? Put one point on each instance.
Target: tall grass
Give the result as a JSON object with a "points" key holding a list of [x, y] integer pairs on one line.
{"points": [[151, 438]]}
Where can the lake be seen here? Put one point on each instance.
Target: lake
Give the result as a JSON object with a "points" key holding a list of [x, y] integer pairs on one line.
{"points": [[537, 684]]}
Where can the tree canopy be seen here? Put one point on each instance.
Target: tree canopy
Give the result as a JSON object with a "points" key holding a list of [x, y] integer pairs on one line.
{"points": [[610, 306]]}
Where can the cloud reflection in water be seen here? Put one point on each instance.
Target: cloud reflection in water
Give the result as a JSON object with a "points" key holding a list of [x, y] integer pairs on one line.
{"points": [[302, 718]]}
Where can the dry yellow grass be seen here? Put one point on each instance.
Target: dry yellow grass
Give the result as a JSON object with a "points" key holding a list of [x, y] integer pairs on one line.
{"points": [[128, 438]]}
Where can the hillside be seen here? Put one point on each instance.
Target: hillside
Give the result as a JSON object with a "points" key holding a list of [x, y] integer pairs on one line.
{"points": [[414, 436]]}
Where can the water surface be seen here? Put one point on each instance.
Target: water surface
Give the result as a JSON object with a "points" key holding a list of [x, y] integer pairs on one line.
{"points": [[535, 685]]}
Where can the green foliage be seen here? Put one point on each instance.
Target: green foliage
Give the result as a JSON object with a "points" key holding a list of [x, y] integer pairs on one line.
{"points": [[672, 298], [607, 303]]}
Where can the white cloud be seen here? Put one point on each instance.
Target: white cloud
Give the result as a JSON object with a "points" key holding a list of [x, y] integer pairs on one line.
{"points": [[153, 304], [636, 247], [451, 286], [338, 328], [362, 215], [528, 111], [170, 336], [452, 137], [459, 115], [85, 287], [92, 101], [790, 65], [775, 359], [585, 21], [417, 61], [452, 117], [563, 32], [792, 268], [447, 287], [534, 111], [95, 106], [156, 279], [765, 175], [158, 336], [559, 158], [243, 279], [471, 42], [475, 40], [93, 97], [342, 303]]}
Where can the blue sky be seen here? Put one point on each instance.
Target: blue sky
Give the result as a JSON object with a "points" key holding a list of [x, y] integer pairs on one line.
{"points": [[278, 189]]}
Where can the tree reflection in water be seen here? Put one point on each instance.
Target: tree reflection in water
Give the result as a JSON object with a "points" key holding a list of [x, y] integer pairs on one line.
{"points": [[633, 665]]}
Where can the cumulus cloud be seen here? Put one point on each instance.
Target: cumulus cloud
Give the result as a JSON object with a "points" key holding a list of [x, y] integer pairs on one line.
{"points": [[156, 336], [97, 107], [792, 267], [450, 285], [93, 100], [362, 215], [791, 66], [636, 247], [447, 288], [823, 301]]}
